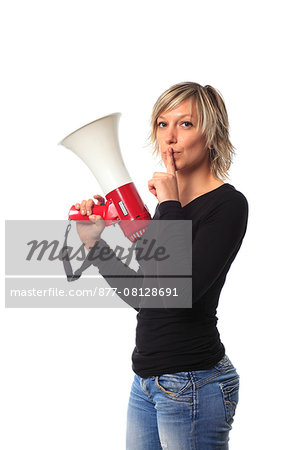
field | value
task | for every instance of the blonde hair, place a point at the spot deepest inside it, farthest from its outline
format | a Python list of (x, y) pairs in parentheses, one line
[(212, 118)]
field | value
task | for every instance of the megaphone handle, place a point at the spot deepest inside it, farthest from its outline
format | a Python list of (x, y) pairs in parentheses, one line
[(105, 210)]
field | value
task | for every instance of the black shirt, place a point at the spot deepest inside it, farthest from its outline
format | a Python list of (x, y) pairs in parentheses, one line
[(179, 340)]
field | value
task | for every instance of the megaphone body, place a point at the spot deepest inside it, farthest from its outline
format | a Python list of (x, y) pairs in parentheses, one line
[(97, 145)]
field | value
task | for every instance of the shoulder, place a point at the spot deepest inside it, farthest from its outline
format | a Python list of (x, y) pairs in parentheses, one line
[(232, 196), (228, 196), (229, 209), (224, 200)]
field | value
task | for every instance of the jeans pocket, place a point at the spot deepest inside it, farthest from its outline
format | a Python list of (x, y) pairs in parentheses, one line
[(176, 386), (230, 393)]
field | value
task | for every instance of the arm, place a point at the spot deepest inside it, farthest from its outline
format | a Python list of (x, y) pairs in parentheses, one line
[(216, 240)]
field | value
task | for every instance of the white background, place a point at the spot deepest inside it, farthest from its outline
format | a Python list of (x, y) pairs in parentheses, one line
[(66, 373)]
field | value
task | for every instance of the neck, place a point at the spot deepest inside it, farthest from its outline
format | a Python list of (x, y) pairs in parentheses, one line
[(192, 184)]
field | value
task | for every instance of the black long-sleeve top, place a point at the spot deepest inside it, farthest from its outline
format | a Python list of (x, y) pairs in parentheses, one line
[(185, 339)]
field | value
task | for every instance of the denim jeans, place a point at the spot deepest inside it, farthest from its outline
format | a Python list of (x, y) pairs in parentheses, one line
[(184, 410)]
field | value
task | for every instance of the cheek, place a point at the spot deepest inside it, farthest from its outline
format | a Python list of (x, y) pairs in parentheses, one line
[(158, 134), (194, 144), (199, 140)]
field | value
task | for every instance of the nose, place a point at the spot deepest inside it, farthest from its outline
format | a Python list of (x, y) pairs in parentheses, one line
[(170, 135)]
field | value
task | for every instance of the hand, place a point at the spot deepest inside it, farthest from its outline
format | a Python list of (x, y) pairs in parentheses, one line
[(164, 185), (90, 231)]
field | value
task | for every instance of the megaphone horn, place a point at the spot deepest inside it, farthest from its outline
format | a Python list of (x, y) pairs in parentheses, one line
[(97, 145)]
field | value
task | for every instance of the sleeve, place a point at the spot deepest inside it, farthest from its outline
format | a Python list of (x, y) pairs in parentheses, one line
[(116, 273), (171, 210), (216, 240)]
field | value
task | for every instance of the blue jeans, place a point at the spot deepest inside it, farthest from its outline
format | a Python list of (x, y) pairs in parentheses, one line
[(184, 410)]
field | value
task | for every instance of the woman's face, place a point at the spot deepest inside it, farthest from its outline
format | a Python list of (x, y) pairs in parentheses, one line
[(177, 129)]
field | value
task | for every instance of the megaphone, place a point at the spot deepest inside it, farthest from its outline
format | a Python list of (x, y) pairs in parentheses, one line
[(97, 145)]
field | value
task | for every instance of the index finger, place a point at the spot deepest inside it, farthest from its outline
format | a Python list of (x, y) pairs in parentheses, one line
[(170, 164)]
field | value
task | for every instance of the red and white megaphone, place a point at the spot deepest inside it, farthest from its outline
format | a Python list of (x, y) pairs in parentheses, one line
[(97, 145)]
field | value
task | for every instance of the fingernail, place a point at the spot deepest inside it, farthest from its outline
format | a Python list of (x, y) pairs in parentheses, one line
[(92, 217), (87, 212), (82, 211)]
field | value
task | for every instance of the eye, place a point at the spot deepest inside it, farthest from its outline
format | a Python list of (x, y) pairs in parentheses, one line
[(161, 124), (187, 124)]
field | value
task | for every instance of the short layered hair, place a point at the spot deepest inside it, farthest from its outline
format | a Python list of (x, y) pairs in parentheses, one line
[(212, 120)]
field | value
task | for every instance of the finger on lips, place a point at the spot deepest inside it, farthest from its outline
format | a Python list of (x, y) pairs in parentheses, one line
[(170, 165)]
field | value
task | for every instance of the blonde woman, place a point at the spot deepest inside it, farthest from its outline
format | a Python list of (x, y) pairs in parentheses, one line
[(186, 389)]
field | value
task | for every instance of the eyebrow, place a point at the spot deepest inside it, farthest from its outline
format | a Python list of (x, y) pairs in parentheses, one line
[(180, 117)]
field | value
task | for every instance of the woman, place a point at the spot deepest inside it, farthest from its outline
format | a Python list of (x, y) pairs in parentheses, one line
[(185, 390)]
